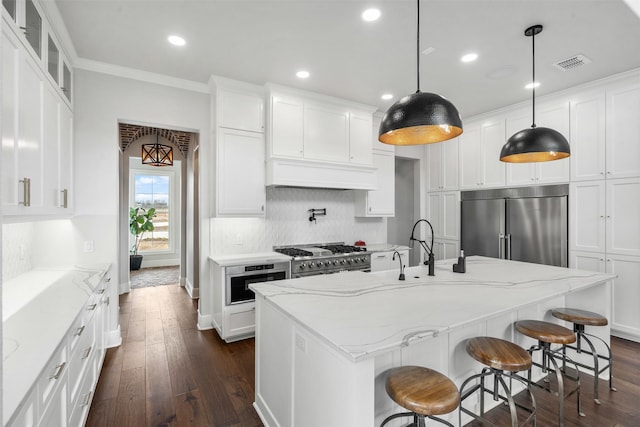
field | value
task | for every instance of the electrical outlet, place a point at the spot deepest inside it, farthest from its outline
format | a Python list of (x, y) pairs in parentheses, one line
[(88, 246)]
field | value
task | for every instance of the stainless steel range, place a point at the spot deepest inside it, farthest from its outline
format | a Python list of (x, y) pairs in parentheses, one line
[(325, 258)]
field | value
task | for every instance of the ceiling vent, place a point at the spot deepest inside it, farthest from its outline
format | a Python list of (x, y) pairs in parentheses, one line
[(575, 61)]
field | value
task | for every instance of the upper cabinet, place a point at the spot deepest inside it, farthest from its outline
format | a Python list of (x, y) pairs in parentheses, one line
[(623, 130), (480, 145), (327, 139), (36, 134), (379, 202), (442, 165), (238, 118), (554, 116), (588, 159)]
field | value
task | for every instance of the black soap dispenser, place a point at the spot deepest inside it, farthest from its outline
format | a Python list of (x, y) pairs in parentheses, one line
[(460, 267)]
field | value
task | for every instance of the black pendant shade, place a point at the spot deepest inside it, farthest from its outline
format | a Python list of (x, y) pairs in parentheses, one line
[(157, 154), (420, 118), (535, 144)]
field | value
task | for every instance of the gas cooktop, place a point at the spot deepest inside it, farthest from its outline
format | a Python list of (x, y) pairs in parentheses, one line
[(325, 258)]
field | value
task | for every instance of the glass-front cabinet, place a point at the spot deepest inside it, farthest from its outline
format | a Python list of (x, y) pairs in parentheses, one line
[(26, 19)]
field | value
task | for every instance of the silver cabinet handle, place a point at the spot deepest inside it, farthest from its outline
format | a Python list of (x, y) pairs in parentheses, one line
[(58, 371), (101, 291), (92, 307), (80, 330), (26, 191), (508, 237), (501, 238), (65, 198), (87, 352), (87, 399)]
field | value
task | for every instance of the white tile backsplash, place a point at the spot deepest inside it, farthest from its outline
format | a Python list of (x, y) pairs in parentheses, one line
[(17, 249), (287, 222)]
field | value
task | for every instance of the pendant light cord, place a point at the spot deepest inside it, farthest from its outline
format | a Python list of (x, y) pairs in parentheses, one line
[(533, 83), (418, 49)]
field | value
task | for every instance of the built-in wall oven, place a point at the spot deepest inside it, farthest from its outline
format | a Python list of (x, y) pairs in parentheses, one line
[(238, 278)]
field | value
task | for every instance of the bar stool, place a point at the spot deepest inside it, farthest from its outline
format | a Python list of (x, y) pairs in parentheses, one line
[(499, 356), (548, 333), (580, 319), (424, 392)]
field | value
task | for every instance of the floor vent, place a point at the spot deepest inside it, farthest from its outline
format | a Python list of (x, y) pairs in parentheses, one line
[(573, 62)]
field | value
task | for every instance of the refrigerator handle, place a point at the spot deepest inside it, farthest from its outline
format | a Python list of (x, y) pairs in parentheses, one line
[(501, 246), (508, 238)]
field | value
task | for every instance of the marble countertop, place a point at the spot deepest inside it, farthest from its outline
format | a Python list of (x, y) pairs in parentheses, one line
[(385, 247), (39, 307), (366, 314), (250, 258)]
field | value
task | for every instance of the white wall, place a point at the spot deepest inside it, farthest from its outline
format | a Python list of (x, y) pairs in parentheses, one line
[(101, 101)]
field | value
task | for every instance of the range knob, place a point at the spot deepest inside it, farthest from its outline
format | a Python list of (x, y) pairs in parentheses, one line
[(312, 264), (319, 264), (343, 262), (302, 266), (335, 262), (349, 261)]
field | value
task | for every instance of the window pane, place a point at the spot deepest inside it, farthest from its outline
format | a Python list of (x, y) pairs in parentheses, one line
[(66, 81), (33, 27), (152, 191), (10, 5), (53, 58)]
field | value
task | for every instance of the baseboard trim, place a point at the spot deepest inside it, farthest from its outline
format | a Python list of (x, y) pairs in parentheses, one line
[(114, 338), (193, 292), (124, 288), (204, 322)]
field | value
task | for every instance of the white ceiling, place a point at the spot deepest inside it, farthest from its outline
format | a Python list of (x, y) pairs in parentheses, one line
[(261, 41)]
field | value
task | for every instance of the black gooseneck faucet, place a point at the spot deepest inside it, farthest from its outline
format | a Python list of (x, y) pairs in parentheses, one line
[(401, 266), (428, 249)]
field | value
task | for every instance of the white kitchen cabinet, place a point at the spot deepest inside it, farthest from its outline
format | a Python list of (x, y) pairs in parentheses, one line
[(480, 146), (377, 145), (626, 296), (379, 202), (65, 158), (360, 138), (588, 160), (239, 109), (381, 261), (286, 133), (240, 173), (587, 211), (326, 132), (554, 116), (622, 215), (443, 212), (623, 131), (26, 416), (590, 261), (442, 164)]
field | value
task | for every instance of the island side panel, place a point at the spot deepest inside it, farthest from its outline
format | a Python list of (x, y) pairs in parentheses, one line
[(302, 381)]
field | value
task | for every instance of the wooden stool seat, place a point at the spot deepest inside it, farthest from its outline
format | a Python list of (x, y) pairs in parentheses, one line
[(580, 317), (546, 332), (499, 354), (422, 390)]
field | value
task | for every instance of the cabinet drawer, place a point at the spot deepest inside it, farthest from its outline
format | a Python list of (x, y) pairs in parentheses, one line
[(52, 376), (241, 323), (80, 359), (80, 407)]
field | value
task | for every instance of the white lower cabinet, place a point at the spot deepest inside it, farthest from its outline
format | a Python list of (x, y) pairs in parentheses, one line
[(239, 321), (62, 394), (381, 261)]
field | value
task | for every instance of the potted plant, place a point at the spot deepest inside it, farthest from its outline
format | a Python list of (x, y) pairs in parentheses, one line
[(140, 221)]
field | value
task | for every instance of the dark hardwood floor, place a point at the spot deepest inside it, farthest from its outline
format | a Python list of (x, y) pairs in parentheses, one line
[(167, 373)]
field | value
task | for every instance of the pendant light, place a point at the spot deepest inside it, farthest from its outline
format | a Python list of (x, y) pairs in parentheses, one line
[(535, 144), (157, 154), (422, 117)]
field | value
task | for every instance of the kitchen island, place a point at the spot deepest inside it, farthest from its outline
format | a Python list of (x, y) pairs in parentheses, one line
[(323, 343)]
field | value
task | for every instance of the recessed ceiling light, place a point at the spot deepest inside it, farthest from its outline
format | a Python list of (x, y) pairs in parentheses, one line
[(176, 40), (387, 96), (469, 57), (532, 85), (371, 15), (302, 74)]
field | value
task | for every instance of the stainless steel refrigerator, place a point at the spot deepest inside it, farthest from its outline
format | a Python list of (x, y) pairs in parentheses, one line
[(523, 224)]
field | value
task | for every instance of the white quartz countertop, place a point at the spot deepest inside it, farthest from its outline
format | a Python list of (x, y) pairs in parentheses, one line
[(385, 247), (366, 314), (39, 307), (250, 258)]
